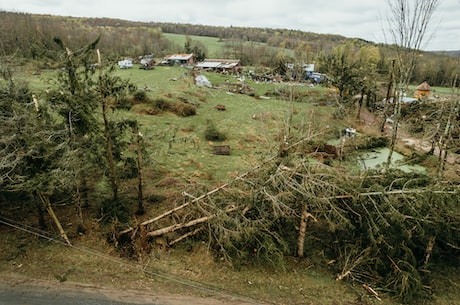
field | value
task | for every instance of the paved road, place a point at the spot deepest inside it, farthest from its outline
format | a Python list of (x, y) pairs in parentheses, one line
[(42, 296)]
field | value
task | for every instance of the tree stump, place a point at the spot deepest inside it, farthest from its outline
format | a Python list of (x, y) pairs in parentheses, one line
[(221, 149)]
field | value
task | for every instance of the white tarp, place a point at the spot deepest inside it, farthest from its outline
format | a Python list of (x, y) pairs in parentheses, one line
[(202, 81)]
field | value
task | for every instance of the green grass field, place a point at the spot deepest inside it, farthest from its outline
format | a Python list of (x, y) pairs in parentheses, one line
[(178, 142), (253, 126), (213, 44)]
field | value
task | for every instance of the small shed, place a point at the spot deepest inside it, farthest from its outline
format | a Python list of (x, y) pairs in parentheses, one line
[(423, 90), (178, 59)]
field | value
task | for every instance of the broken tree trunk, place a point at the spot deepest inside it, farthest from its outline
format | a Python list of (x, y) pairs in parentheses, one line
[(47, 204), (303, 231), (393, 192), (182, 237), (178, 226), (147, 222), (107, 133), (388, 97), (152, 220), (140, 193)]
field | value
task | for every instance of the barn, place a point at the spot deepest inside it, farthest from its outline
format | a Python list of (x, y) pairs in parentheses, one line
[(221, 65), (146, 62)]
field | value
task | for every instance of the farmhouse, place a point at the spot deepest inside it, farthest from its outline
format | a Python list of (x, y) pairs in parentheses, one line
[(423, 90), (178, 59), (221, 65)]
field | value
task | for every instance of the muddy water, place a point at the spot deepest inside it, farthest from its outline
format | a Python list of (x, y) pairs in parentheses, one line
[(377, 158)]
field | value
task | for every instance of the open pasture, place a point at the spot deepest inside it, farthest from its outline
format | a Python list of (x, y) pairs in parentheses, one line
[(252, 125)]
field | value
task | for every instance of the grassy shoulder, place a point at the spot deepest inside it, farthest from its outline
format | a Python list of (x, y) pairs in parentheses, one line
[(182, 271), (189, 271)]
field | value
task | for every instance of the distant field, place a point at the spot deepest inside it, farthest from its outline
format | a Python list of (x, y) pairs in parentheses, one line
[(213, 44), (442, 90)]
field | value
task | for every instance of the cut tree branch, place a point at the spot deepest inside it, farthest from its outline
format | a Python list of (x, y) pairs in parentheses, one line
[(178, 226)]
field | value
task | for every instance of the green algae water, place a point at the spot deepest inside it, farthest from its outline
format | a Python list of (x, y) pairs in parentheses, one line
[(377, 158)]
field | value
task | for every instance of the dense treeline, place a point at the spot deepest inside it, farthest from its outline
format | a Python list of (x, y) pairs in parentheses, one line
[(31, 36), (273, 37), (285, 38)]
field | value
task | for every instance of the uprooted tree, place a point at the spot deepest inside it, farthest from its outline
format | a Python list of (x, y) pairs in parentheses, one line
[(33, 151)]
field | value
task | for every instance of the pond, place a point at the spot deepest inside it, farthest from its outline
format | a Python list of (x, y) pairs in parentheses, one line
[(377, 159)]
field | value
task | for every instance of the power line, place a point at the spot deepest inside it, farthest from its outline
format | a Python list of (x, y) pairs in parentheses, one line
[(198, 286)]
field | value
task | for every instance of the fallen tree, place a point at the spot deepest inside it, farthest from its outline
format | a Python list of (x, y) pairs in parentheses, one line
[(384, 230)]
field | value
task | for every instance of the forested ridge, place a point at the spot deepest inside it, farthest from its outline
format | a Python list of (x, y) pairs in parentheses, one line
[(31, 36)]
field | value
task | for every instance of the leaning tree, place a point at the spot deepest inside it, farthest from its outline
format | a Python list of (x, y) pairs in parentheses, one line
[(33, 151), (408, 23)]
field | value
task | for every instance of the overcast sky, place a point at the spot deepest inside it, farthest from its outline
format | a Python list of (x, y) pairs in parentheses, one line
[(351, 18)]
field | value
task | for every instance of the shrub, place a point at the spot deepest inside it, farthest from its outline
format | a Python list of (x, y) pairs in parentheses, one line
[(376, 142), (161, 104), (140, 96), (123, 103), (114, 210), (183, 109)]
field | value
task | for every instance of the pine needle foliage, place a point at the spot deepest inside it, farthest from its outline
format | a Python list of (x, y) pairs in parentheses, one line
[(384, 229)]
